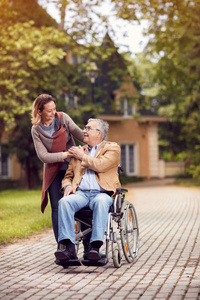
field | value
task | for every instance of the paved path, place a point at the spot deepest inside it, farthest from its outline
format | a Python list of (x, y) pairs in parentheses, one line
[(167, 267)]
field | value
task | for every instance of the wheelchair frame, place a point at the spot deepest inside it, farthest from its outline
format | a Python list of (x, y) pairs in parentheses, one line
[(122, 213)]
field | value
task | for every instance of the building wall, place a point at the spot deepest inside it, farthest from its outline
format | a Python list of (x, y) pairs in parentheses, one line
[(153, 150), (15, 169), (130, 132)]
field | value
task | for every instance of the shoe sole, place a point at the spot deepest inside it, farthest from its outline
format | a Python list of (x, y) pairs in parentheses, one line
[(61, 256), (93, 255)]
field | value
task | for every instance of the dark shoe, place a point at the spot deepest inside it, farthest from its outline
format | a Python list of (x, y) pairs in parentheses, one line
[(58, 262), (68, 253), (93, 254), (87, 247), (85, 256)]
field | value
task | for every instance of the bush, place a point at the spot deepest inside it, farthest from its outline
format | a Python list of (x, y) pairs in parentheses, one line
[(124, 179)]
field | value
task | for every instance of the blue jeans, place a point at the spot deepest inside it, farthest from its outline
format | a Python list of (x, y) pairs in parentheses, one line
[(98, 202)]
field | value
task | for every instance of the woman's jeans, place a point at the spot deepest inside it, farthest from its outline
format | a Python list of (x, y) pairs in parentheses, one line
[(55, 195), (98, 202)]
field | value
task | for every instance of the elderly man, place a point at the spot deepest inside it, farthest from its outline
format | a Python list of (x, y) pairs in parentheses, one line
[(90, 180)]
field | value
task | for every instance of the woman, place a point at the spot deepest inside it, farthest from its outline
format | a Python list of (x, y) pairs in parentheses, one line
[(52, 134)]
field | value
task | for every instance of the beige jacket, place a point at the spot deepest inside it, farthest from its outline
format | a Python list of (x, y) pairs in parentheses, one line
[(105, 164)]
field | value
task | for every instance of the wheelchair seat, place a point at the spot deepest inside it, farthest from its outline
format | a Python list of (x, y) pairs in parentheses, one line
[(86, 212)]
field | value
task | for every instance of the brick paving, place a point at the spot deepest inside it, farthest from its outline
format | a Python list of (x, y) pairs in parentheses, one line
[(167, 267)]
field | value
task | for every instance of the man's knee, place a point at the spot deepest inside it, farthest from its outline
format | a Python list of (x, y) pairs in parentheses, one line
[(64, 201), (103, 201)]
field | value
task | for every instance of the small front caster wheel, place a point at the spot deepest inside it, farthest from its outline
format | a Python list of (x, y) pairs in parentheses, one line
[(116, 258)]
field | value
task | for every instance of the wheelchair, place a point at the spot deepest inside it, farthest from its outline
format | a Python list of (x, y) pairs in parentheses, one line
[(122, 232)]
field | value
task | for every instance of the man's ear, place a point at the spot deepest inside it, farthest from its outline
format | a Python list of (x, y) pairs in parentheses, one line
[(100, 134)]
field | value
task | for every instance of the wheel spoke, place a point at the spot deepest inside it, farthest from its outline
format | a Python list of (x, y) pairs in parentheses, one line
[(129, 231)]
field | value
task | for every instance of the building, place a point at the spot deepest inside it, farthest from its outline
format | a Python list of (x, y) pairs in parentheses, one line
[(138, 138)]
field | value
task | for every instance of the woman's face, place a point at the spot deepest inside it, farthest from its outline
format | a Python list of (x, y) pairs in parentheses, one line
[(48, 113)]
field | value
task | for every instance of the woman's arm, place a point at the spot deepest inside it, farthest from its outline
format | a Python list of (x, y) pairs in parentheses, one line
[(43, 154), (73, 128)]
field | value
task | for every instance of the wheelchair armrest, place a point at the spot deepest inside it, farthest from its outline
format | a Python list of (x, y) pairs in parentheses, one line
[(119, 198), (120, 190)]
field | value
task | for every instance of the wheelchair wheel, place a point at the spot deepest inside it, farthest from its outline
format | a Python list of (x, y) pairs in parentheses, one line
[(116, 258), (129, 231)]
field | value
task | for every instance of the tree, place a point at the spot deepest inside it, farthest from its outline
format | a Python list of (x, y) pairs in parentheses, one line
[(21, 144), (77, 19), (32, 61), (174, 31), (27, 56), (26, 10)]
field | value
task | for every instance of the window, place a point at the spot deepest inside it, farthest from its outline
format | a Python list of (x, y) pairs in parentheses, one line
[(4, 162), (128, 159), (127, 108), (71, 100)]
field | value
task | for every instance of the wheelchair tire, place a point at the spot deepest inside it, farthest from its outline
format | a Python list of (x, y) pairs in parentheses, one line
[(129, 231), (116, 258)]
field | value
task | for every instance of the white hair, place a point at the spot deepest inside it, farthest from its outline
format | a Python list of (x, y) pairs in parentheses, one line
[(103, 126)]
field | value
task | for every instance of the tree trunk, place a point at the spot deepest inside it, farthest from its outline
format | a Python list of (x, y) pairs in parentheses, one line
[(62, 15)]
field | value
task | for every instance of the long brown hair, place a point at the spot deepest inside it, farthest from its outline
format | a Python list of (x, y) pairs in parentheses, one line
[(38, 105)]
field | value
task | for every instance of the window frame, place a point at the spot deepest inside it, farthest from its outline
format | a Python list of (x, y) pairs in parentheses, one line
[(126, 107), (127, 156), (1, 165)]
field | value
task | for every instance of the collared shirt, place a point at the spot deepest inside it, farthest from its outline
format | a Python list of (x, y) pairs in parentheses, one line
[(88, 181)]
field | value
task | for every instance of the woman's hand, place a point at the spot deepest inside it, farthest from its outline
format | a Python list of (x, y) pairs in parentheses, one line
[(65, 155), (77, 152)]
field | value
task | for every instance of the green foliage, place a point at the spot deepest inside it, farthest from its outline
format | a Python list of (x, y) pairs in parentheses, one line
[(177, 40), (129, 179), (21, 144), (26, 10), (80, 19), (172, 86), (20, 215), (27, 55), (194, 170)]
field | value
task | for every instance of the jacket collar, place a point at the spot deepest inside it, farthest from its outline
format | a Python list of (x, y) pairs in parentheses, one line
[(99, 149)]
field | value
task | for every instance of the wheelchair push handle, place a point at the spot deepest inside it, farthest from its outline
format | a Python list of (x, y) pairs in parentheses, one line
[(121, 191)]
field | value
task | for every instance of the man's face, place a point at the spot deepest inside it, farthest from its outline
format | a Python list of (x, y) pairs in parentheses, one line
[(91, 135)]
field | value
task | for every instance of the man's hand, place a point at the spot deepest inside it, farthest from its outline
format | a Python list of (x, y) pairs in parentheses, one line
[(69, 190), (77, 152)]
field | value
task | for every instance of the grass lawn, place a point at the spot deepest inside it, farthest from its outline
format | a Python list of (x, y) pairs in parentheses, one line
[(20, 215)]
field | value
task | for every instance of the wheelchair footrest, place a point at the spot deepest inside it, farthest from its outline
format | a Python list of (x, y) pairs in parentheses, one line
[(70, 262), (95, 263)]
